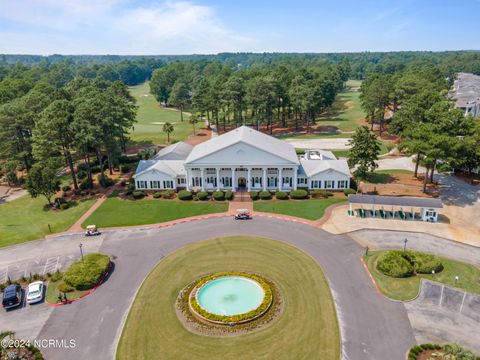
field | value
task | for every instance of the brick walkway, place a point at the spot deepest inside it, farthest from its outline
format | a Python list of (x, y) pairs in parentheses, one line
[(241, 200)]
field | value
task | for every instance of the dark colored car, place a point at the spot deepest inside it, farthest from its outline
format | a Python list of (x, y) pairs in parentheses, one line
[(12, 296)]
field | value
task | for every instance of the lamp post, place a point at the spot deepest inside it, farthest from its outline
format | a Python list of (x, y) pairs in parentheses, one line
[(81, 252), (456, 279), (366, 251), (405, 244)]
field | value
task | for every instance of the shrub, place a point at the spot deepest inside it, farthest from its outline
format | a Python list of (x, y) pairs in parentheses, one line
[(168, 194), (65, 288), (64, 206), (353, 184), (229, 195), (254, 195), (107, 181), (424, 263), (281, 195), (394, 264), (124, 169), (123, 183), (202, 195), (265, 195), (317, 194), (349, 191), (157, 195), (81, 174), (95, 169), (195, 198), (84, 275), (138, 194), (219, 195), (184, 195), (85, 184), (66, 188), (57, 276), (299, 194), (81, 167)]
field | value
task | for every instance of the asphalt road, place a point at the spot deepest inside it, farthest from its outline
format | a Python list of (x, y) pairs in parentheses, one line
[(371, 326)]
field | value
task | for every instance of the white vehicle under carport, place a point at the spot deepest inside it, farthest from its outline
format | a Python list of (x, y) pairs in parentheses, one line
[(35, 292)]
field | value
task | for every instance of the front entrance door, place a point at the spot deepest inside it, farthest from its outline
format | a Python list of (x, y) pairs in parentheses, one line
[(242, 182)]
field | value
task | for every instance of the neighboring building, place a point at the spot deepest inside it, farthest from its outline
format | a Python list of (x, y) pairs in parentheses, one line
[(466, 93), (242, 159)]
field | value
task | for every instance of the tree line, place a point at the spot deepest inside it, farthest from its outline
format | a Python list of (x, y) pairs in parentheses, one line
[(260, 96), (415, 105), (55, 121)]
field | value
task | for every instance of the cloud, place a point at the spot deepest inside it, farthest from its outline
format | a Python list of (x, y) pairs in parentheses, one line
[(115, 26)]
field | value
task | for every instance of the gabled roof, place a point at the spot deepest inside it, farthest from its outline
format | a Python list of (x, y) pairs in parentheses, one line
[(177, 151), (313, 167), (248, 136), (170, 167)]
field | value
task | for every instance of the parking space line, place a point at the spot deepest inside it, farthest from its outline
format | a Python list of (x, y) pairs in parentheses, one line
[(48, 264), (4, 277)]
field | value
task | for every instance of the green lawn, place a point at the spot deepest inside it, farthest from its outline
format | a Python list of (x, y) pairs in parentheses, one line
[(346, 112), (311, 209), (307, 328), (151, 116), (408, 288), (385, 176), (117, 212), (52, 292), (25, 219)]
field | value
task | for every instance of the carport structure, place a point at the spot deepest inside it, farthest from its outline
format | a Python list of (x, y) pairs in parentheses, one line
[(401, 207)]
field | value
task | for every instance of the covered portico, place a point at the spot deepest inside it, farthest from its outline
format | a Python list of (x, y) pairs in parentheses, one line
[(395, 207), (240, 177)]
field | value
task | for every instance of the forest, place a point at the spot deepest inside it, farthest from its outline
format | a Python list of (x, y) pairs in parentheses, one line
[(57, 112)]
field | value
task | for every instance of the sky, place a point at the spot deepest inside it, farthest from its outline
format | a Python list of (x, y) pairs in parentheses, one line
[(147, 27)]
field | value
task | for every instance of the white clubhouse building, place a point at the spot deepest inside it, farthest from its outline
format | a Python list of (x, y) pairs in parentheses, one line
[(241, 160)]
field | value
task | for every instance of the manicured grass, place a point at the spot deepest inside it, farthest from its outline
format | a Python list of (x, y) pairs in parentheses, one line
[(52, 292), (311, 209), (346, 112), (25, 219), (117, 212), (307, 328), (408, 288), (385, 176), (151, 117)]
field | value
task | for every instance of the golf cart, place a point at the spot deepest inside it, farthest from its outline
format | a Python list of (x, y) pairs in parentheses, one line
[(92, 231), (243, 214)]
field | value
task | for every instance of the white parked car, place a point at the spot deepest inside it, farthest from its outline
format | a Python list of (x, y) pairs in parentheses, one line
[(35, 292)]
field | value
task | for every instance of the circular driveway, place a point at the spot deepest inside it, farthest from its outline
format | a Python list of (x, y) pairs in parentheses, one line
[(371, 326)]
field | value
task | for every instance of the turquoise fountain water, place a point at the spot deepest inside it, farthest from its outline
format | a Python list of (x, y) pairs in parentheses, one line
[(230, 295)]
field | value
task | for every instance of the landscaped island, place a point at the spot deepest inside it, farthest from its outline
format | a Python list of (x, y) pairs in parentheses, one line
[(306, 327)]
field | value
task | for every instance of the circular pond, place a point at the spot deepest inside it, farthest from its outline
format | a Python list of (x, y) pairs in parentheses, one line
[(230, 295)]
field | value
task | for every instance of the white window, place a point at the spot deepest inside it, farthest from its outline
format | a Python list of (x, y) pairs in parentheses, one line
[(167, 184), (141, 184), (342, 184), (329, 184), (431, 213), (155, 184), (181, 181), (316, 184), (301, 181)]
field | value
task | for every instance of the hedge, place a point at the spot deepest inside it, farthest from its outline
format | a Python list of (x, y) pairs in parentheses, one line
[(157, 195), (229, 195), (251, 315), (168, 194), (299, 194), (254, 195), (202, 195), (138, 194), (349, 191), (84, 275), (265, 195), (281, 195), (219, 195), (393, 264), (184, 195), (320, 194), (398, 263), (124, 169)]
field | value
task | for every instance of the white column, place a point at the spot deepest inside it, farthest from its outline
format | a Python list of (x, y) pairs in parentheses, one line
[(218, 178), (280, 180), (295, 180), (249, 180), (233, 179), (188, 183), (264, 180), (202, 171)]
